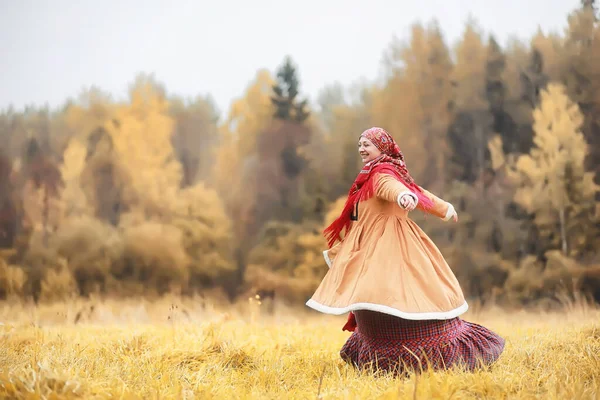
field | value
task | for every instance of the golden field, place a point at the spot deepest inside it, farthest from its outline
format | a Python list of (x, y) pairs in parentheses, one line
[(185, 349)]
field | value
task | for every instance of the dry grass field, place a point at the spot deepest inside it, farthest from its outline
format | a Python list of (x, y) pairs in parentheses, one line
[(176, 349)]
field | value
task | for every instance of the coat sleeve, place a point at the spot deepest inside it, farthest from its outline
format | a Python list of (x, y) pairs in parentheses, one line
[(441, 208), (391, 189)]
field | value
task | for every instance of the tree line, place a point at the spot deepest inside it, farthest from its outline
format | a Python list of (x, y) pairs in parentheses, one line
[(159, 194)]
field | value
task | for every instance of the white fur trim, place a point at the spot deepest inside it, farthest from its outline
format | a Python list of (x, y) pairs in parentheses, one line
[(411, 194), (450, 213), (388, 310), (326, 257)]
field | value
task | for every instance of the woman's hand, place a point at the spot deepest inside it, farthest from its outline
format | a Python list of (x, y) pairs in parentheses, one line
[(451, 214), (408, 202)]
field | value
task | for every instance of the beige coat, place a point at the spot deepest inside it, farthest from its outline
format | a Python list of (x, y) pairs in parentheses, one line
[(388, 264)]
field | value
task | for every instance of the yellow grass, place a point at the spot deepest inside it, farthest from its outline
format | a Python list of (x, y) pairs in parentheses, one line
[(183, 349)]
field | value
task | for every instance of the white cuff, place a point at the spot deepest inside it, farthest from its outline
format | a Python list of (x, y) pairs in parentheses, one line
[(327, 259), (411, 194), (450, 213)]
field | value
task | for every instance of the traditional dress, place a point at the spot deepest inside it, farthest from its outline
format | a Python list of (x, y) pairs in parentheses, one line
[(403, 298)]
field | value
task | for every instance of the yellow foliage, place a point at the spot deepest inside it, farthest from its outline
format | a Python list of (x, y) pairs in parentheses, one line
[(236, 155), (142, 140), (201, 217), (550, 46), (92, 110), (73, 197), (496, 153), (559, 145), (247, 117), (168, 238), (413, 105), (469, 72), (155, 256), (289, 258)]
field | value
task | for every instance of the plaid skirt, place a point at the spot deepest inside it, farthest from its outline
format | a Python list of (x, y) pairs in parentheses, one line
[(398, 345)]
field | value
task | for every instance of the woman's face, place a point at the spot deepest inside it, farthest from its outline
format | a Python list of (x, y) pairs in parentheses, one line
[(367, 150)]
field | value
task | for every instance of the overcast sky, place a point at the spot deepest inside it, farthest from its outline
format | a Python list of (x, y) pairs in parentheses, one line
[(52, 49)]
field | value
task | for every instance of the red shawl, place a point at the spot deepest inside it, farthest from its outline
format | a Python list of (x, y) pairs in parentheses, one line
[(390, 162)]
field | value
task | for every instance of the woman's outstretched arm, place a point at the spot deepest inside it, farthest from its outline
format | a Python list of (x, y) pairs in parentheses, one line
[(391, 189), (441, 208)]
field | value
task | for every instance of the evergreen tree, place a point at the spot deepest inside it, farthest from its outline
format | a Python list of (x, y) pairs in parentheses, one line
[(496, 94), (472, 123), (288, 107)]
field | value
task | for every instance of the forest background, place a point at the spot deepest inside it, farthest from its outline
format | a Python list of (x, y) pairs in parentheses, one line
[(162, 195)]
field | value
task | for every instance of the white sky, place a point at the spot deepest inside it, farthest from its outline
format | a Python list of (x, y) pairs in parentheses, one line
[(52, 49)]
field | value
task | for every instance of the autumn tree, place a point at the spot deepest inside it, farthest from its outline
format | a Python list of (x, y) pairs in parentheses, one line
[(195, 137), (552, 181), (104, 179), (91, 110), (98, 176), (41, 184), (289, 259), (74, 200), (550, 47), (141, 134), (236, 166), (414, 105), (581, 74)]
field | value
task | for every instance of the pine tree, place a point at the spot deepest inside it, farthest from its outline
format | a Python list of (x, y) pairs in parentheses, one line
[(288, 107), (590, 5), (552, 182), (495, 64), (532, 79), (496, 93)]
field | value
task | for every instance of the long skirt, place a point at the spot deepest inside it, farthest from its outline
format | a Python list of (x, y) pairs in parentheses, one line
[(397, 345)]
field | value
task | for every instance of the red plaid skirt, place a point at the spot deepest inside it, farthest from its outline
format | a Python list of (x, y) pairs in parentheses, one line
[(397, 345)]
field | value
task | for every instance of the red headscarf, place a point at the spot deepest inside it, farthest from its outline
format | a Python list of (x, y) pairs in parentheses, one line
[(390, 162)]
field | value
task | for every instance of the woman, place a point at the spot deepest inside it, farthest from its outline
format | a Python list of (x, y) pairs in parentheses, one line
[(403, 298)]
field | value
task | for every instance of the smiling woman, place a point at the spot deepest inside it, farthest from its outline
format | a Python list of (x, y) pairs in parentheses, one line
[(404, 300), (367, 150)]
